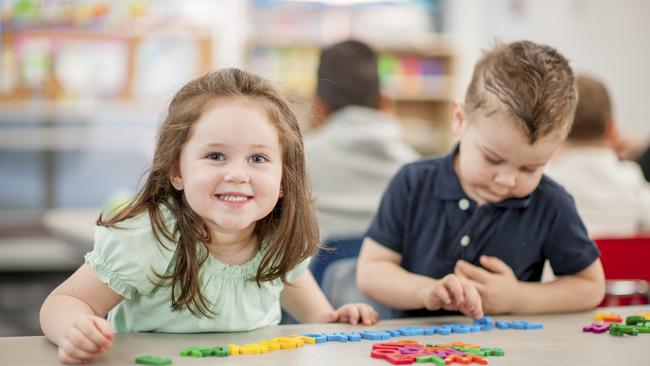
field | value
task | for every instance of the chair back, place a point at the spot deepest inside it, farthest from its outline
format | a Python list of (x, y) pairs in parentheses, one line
[(626, 262), (337, 249), (625, 258)]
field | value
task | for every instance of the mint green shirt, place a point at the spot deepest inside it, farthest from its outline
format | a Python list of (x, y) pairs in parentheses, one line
[(125, 259)]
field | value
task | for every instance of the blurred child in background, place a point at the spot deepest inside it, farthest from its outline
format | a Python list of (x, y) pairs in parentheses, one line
[(358, 147), (612, 196)]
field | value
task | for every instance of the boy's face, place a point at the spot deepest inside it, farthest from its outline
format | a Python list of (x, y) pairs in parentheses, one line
[(496, 161)]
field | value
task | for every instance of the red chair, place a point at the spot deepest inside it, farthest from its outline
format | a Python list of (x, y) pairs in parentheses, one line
[(626, 262)]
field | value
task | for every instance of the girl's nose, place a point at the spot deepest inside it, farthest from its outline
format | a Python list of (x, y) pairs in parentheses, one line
[(236, 175)]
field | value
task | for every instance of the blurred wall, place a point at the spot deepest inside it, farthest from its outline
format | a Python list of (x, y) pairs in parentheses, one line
[(608, 39)]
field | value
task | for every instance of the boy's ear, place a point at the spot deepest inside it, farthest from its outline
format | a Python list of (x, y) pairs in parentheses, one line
[(386, 104), (611, 134), (457, 117), (321, 112)]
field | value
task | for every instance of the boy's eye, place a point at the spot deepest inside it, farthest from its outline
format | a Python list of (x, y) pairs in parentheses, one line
[(258, 159), (527, 170), (492, 161), (215, 156)]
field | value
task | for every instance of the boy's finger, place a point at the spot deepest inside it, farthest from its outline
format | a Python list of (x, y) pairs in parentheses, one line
[(495, 265), (454, 286), (481, 288), (471, 271), (441, 293), (473, 300)]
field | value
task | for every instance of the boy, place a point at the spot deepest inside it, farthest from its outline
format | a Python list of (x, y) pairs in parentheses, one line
[(358, 146), (612, 196), (471, 231)]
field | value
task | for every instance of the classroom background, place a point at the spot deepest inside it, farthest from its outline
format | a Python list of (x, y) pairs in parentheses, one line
[(83, 85)]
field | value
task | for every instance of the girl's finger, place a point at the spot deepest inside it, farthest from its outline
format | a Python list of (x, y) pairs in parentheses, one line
[(82, 341), (70, 352), (353, 314), (368, 314), (104, 327)]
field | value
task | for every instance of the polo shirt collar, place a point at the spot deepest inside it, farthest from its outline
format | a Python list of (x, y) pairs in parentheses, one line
[(447, 186)]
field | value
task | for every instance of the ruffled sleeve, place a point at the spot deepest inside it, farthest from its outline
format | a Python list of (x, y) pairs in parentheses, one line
[(298, 270), (128, 258)]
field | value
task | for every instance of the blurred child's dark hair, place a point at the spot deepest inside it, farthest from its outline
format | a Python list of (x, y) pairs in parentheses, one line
[(289, 232), (594, 111), (347, 75), (533, 82)]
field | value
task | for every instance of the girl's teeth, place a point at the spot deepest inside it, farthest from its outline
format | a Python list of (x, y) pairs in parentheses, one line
[(234, 198)]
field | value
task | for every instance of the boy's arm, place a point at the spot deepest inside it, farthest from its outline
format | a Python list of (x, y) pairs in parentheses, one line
[(501, 292), (580, 291), (380, 277), (82, 294)]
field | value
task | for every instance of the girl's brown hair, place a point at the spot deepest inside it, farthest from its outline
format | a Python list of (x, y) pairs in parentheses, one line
[(289, 232)]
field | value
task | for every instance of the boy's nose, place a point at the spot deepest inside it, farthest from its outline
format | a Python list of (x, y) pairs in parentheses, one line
[(506, 180)]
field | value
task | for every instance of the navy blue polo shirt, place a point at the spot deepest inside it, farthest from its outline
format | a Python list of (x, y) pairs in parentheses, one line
[(427, 218)]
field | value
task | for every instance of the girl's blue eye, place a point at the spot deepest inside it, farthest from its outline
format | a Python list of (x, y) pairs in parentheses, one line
[(258, 159), (215, 156)]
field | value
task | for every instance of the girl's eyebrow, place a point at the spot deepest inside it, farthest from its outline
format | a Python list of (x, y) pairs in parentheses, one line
[(220, 144)]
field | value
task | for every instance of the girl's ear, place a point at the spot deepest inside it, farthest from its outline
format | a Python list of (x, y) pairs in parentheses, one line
[(176, 180), (457, 118)]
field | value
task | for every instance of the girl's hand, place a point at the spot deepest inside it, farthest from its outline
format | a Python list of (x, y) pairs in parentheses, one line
[(453, 292), (85, 339), (353, 313), (496, 282)]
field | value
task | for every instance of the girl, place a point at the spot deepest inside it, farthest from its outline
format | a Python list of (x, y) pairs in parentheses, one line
[(216, 240)]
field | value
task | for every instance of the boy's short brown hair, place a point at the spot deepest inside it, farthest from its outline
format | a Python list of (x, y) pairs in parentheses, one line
[(594, 111), (533, 82)]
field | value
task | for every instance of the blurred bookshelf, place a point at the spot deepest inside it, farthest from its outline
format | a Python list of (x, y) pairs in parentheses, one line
[(416, 59), (121, 51), (88, 80)]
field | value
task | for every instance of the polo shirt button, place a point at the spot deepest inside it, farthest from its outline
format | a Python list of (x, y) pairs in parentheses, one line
[(464, 241), (463, 204)]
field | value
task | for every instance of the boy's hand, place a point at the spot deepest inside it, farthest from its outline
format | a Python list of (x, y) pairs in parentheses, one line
[(496, 283), (353, 313), (85, 339), (453, 293)]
